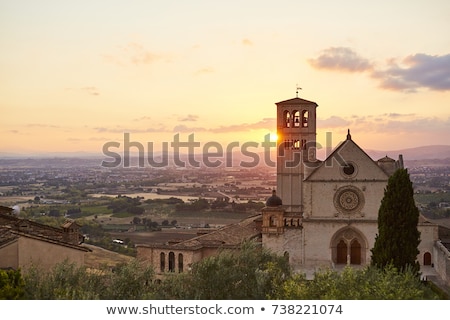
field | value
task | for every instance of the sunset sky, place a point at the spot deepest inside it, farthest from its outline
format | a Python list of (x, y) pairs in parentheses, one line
[(77, 74)]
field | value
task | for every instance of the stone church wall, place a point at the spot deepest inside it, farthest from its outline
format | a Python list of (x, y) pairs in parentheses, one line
[(321, 236), (290, 242)]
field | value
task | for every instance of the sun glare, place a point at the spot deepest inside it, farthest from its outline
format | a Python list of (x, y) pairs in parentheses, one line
[(273, 136)]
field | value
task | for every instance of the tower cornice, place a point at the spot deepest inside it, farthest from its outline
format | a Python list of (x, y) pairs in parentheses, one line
[(294, 101)]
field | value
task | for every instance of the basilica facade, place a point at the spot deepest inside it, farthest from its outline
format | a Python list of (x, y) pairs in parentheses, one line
[(323, 213)]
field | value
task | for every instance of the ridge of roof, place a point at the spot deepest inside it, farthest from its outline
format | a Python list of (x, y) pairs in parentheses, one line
[(339, 147), (296, 100), (222, 237)]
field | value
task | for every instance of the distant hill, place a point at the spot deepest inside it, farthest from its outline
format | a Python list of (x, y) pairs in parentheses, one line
[(418, 153), (425, 155)]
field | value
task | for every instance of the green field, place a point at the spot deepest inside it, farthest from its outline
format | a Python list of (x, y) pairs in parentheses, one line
[(427, 198)]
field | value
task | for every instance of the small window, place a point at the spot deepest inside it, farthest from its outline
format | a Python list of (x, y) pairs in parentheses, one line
[(286, 256), (171, 262), (162, 259), (272, 221), (349, 169), (180, 262), (287, 144), (303, 144)]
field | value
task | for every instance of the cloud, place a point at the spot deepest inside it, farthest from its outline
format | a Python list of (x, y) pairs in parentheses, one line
[(139, 55), (42, 125), (93, 91), (118, 129), (419, 124), (98, 139), (398, 115), (332, 122), (136, 54), (417, 71), (183, 128), (205, 70), (144, 118), (247, 42), (390, 123), (189, 117), (410, 74), (266, 123), (341, 59)]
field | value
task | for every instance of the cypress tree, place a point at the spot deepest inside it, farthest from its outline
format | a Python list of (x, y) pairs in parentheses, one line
[(398, 238)]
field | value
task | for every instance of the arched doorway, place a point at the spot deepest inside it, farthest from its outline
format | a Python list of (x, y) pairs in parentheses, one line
[(348, 246), (427, 259)]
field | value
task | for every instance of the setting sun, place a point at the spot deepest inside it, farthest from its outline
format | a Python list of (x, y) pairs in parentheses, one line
[(273, 137)]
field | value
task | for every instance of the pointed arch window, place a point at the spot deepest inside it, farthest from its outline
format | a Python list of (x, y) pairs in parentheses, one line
[(341, 257), (348, 246), (355, 252)]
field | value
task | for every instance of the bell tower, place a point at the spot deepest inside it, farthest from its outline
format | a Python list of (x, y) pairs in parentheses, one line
[(296, 132)]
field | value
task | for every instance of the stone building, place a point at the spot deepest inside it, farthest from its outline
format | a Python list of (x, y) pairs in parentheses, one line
[(323, 213), (24, 243), (179, 256), (329, 212)]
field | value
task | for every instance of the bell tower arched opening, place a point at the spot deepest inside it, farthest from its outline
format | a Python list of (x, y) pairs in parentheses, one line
[(287, 119), (296, 118), (305, 115)]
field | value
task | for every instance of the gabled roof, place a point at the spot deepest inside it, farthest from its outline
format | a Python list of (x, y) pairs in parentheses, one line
[(296, 100), (11, 227), (69, 223), (229, 236), (8, 236), (335, 155), (386, 159), (6, 210)]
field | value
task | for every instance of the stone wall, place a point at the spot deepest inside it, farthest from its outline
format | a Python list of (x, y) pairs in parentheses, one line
[(442, 261)]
